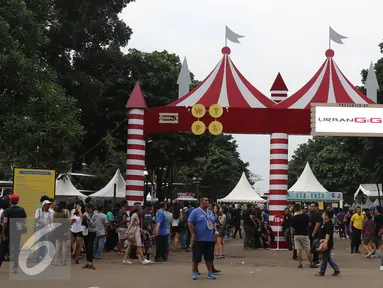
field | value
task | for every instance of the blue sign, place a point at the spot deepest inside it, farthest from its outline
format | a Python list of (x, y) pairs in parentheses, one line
[(315, 196)]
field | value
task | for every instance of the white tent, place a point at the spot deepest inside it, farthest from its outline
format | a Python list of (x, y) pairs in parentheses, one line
[(242, 193), (108, 190), (370, 190), (307, 182), (65, 188)]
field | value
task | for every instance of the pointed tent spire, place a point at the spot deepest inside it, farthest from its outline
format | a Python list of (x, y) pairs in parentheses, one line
[(184, 80), (136, 99), (279, 89), (307, 182), (279, 84), (372, 85)]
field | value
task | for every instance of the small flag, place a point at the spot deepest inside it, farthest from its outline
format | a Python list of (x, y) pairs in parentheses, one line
[(336, 37), (232, 36)]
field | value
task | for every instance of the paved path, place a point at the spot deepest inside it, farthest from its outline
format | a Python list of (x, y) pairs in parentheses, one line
[(250, 269)]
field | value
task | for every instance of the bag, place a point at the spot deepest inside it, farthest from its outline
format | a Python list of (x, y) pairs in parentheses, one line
[(321, 247), (181, 223), (130, 236), (85, 231), (318, 246), (380, 232)]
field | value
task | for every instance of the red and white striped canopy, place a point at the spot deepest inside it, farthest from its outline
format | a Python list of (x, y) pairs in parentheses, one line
[(227, 87), (328, 85)]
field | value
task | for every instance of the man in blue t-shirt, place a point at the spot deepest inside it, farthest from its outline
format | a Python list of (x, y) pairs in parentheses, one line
[(202, 227), (161, 235)]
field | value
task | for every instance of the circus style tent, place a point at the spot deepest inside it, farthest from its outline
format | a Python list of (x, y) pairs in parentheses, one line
[(108, 190), (65, 188), (227, 87), (242, 193), (307, 182), (329, 85)]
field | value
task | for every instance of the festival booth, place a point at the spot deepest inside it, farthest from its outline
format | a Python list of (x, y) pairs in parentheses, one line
[(66, 191), (243, 192), (308, 189), (114, 189), (189, 197)]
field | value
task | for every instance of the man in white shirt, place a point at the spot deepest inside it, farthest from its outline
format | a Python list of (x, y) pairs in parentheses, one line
[(43, 219)]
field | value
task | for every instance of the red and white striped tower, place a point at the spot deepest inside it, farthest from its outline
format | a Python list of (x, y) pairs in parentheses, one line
[(135, 155), (278, 169)]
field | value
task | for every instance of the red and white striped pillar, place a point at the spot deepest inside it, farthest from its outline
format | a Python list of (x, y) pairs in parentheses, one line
[(278, 184), (135, 163), (279, 152)]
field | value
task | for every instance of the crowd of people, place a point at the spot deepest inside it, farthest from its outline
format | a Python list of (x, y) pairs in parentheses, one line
[(311, 231), (88, 229)]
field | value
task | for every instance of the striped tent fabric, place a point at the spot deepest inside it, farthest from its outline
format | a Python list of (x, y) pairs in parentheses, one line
[(227, 87), (329, 85)]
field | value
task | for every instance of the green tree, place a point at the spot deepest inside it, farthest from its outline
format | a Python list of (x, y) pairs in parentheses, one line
[(39, 123)]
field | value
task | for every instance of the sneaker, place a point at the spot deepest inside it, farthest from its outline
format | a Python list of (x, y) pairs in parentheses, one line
[(300, 266), (336, 273), (369, 254), (194, 275), (146, 262), (313, 266), (126, 262), (216, 271), (211, 276), (381, 268)]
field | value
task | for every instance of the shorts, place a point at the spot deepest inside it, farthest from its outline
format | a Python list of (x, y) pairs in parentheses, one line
[(302, 242), (121, 233), (367, 239), (77, 235), (176, 229), (205, 249)]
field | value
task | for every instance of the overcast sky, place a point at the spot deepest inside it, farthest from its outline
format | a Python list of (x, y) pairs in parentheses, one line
[(290, 37)]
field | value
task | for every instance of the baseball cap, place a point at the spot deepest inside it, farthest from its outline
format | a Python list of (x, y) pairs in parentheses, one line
[(45, 202), (372, 208), (14, 198)]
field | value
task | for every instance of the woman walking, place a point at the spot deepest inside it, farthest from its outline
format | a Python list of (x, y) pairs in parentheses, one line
[(90, 235), (61, 233), (133, 234), (222, 219), (176, 225), (77, 228), (326, 235)]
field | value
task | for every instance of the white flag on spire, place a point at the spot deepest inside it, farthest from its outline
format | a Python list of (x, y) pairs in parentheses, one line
[(336, 37), (232, 36)]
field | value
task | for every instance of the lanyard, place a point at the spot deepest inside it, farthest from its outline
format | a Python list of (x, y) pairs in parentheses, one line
[(205, 214)]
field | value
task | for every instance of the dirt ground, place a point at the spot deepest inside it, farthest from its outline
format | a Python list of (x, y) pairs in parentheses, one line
[(251, 269)]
